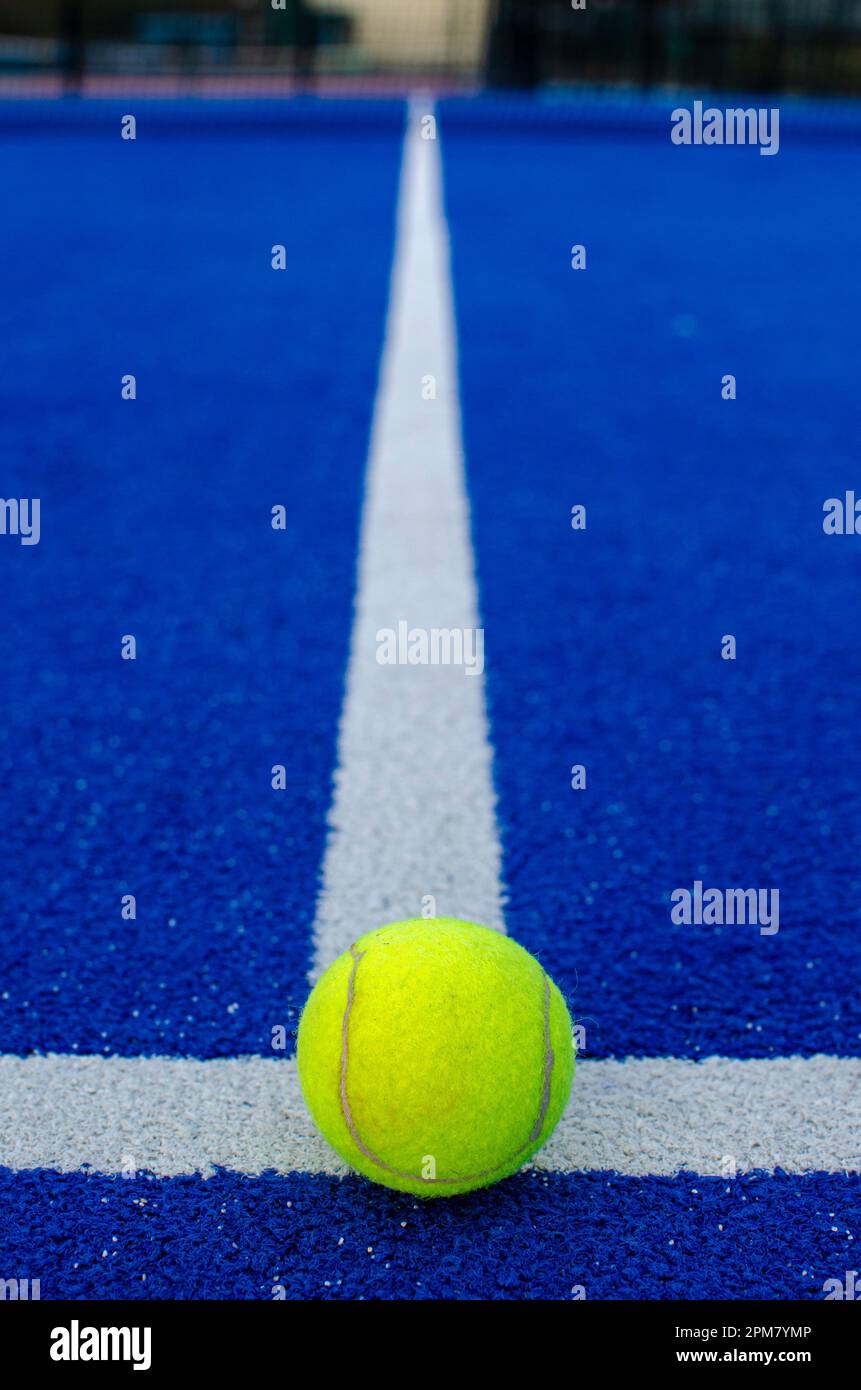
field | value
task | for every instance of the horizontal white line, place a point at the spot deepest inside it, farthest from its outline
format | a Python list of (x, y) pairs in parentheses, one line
[(171, 1116)]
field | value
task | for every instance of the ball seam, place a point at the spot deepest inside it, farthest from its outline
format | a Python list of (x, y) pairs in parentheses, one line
[(346, 1111)]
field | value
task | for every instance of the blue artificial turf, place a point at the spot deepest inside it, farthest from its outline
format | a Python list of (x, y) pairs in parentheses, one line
[(704, 517), (255, 388), (602, 647), (534, 1236)]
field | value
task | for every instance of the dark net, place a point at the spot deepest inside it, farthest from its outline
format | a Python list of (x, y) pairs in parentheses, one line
[(248, 46)]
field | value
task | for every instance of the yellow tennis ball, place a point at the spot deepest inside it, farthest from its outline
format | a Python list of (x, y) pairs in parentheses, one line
[(436, 1056)]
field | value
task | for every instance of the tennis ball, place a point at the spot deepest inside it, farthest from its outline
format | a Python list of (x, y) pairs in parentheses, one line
[(436, 1056)]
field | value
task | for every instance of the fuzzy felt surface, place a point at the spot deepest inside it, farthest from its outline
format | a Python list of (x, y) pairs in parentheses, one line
[(435, 1056)]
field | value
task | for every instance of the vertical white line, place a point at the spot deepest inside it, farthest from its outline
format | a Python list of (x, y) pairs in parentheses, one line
[(413, 812)]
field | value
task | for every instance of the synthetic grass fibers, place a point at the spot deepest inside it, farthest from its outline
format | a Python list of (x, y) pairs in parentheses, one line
[(436, 1056)]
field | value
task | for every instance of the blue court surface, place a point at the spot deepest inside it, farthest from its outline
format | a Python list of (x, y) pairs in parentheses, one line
[(598, 387)]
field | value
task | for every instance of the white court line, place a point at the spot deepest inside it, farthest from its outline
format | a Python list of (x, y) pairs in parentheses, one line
[(644, 1116), (414, 808)]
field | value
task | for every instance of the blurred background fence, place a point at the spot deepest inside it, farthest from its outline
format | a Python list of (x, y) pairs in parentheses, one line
[(749, 45)]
